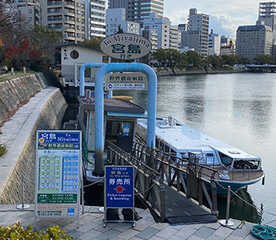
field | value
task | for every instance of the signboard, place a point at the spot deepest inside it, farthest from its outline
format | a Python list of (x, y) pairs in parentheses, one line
[(126, 81), (58, 164), (119, 187), (125, 46)]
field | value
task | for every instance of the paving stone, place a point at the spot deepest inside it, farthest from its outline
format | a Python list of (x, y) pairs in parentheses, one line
[(215, 237), (111, 234), (160, 225), (128, 234), (204, 232), (147, 233), (89, 235), (167, 232), (223, 232), (243, 231), (231, 237), (250, 237), (186, 231), (193, 237)]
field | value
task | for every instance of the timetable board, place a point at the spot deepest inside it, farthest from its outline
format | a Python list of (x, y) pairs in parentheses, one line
[(58, 164)]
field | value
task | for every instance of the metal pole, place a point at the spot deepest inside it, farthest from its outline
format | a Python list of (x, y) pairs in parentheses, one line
[(228, 204)]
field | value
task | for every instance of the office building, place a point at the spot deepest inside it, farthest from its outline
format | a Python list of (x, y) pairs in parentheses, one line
[(198, 31), (116, 18), (214, 44), (67, 17), (253, 40), (267, 16), (96, 18), (162, 27), (137, 10)]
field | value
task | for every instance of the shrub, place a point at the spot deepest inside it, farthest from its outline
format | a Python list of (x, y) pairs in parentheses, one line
[(17, 231), (3, 149)]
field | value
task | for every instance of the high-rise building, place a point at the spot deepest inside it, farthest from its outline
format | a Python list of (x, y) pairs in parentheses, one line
[(175, 37), (96, 23), (162, 26), (253, 40), (128, 5), (214, 44), (267, 16), (27, 12), (198, 31), (182, 28), (116, 18), (137, 10), (67, 17)]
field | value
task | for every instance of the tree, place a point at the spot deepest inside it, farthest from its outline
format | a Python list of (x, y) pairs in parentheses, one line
[(263, 59), (193, 59), (215, 61), (93, 43), (168, 58)]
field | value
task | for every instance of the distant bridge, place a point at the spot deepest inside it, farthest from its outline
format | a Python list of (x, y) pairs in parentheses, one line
[(261, 68)]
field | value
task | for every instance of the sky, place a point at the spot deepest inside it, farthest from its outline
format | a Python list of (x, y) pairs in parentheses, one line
[(225, 16)]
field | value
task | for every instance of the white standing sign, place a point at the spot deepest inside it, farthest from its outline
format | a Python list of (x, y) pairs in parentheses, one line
[(58, 164)]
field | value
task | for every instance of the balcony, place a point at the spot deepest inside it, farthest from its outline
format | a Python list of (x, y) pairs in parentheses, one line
[(54, 3)]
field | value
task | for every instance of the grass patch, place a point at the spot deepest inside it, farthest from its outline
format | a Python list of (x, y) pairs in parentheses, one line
[(17, 231), (8, 76), (3, 149)]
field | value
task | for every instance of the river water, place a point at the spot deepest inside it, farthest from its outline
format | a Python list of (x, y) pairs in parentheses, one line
[(239, 109)]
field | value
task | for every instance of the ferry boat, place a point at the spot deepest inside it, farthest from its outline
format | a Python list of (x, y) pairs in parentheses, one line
[(235, 167)]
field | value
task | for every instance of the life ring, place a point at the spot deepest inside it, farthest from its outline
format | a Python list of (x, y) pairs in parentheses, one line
[(264, 232)]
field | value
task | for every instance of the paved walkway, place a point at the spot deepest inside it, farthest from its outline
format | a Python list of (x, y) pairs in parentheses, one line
[(90, 227)]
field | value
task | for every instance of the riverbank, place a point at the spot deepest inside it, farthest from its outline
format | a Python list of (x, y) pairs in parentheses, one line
[(165, 73)]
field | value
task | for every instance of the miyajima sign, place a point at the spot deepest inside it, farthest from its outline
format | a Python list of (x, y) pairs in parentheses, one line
[(126, 81), (125, 46)]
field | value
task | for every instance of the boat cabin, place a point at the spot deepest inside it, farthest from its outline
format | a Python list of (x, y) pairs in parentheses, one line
[(177, 138), (120, 119)]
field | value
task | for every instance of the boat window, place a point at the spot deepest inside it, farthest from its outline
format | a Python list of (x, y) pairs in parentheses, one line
[(244, 164), (226, 160)]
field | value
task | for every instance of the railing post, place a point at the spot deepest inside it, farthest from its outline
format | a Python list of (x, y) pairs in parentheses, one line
[(214, 198), (228, 204), (162, 201)]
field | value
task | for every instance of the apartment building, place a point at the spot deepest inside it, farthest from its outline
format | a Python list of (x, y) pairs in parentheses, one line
[(96, 18), (198, 31), (253, 40), (175, 37), (67, 17)]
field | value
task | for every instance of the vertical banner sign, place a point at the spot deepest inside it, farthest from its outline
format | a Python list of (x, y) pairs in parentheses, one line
[(58, 164), (119, 187)]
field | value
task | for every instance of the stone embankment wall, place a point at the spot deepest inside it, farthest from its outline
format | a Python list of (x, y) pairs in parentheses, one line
[(44, 109), (16, 92)]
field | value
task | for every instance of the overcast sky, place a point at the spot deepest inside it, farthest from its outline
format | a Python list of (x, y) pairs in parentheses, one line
[(225, 15)]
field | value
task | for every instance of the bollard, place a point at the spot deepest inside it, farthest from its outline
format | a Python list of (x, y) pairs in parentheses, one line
[(226, 222), (22, 206), (24, 70), (12, 71), (228, 204)]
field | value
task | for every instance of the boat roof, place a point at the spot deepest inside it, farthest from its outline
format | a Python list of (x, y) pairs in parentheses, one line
[(182, 138)]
